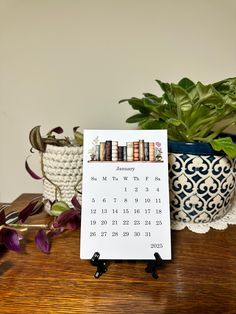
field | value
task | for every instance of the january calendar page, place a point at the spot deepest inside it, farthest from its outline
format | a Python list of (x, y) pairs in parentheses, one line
[(125, 195)]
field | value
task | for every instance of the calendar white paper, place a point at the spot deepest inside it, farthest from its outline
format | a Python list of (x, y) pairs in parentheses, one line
[(125, 197)]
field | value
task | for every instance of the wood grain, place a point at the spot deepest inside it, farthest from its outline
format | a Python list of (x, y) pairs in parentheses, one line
[(201, 278)]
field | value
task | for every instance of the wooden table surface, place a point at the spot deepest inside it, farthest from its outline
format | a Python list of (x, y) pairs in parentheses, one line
[(201, 278)]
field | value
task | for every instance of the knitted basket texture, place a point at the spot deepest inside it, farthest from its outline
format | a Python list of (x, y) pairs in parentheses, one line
[(62, 167)]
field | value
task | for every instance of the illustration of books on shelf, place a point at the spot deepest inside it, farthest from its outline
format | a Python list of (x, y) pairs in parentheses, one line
[(111, 151)]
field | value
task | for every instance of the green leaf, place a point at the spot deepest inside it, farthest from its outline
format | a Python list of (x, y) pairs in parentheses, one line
[(136, 118), (36, 139), (193, 95), (174, 122), (51, 140), (136, 104), (181, 98), (164, 86), (78, 136), (59, 207), (230, 101), (153, 125), (152, 96), (226, 144), (168, 96), (152, 104), (226, 87), (208, 95), (186, 83)]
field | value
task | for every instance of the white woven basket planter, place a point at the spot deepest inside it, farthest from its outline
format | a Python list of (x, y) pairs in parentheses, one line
[(62, 169)]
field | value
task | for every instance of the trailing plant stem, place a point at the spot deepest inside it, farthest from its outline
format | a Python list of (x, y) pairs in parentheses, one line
[(57, 188), (30, 226)]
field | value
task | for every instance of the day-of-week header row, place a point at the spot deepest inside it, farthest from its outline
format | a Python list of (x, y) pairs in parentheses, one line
[(124, 178)]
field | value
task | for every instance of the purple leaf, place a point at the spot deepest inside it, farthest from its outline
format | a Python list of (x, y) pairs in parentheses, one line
[(53, 233), (10, 239), (38, 208), (31, 172), (66, 217), (57, 130), (75, 128), (42, 241), (2, 215), (73, 223), (75, 202), (27, 211), (12, 217)]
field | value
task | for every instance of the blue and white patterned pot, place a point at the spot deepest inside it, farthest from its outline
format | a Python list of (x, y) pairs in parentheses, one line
[(202, 182)]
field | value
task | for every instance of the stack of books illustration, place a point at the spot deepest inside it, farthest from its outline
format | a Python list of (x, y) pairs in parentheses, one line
[(132, 151)]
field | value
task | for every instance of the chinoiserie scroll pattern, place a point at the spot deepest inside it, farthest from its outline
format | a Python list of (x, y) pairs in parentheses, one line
[(201, 187)]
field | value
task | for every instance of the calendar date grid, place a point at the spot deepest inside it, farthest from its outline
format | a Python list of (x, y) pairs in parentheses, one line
[(126, 206)]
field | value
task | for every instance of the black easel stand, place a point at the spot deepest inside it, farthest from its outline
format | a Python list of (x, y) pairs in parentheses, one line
[(152, 265), (100, 264)]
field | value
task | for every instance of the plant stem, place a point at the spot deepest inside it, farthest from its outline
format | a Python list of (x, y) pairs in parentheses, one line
[(30, 226), (57, 189)]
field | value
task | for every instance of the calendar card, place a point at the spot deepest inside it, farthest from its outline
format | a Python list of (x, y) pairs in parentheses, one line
[(125, 198)]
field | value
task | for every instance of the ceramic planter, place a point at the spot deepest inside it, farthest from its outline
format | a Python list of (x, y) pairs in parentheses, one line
[(62, 169), (202, 183)]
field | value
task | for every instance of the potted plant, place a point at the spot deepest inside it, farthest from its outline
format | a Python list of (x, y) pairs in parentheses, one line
[(201, 158), (61, 166)]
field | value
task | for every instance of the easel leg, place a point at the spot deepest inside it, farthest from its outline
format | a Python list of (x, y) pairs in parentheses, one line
[(100, 264), (152, 265)]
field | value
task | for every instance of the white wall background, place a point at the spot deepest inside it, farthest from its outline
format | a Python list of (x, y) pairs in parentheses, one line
[(69, 62)]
